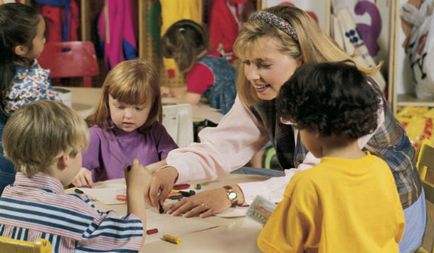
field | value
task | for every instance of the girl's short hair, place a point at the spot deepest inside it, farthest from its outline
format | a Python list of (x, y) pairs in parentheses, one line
[(312, 45), (132, 82), (38, 133), (183, 41), (18, 26)]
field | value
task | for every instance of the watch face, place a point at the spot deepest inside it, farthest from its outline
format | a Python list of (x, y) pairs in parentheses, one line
[(232, 195)]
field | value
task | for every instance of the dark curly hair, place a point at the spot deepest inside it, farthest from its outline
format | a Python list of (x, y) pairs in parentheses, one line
[(331, 98)]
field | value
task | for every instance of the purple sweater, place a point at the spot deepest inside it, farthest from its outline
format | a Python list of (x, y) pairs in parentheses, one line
[(110, 151)]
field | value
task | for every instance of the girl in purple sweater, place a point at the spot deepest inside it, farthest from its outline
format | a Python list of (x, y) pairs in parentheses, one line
[(125, 124)]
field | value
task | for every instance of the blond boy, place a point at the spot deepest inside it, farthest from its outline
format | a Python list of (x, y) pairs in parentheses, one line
[(44, 140)]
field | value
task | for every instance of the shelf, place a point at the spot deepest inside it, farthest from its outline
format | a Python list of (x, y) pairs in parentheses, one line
[(411, 100)]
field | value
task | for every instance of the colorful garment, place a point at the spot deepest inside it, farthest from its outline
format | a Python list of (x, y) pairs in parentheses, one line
[(117, 28), (220, 89), (61, 18), (340, 205), (37, 207), (172, 11), (29, 84), (110, 151)]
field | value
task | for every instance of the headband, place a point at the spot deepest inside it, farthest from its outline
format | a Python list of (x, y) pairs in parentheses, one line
[(275, 21)]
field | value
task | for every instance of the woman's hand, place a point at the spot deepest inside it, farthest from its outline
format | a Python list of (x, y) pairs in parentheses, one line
[(203, 204), (83, 178), (161, 184)]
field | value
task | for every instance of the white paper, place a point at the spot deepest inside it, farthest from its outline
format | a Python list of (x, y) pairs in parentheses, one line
[(173, 225), (239, 211), (106, 192)]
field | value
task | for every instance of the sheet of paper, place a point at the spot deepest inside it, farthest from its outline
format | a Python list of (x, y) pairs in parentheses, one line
[(106, 191), (238, 211)]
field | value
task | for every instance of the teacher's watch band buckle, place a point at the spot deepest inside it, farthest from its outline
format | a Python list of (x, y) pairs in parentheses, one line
[(231, 194)]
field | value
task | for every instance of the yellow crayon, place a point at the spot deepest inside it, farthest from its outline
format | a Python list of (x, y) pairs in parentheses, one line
[(171, 238)]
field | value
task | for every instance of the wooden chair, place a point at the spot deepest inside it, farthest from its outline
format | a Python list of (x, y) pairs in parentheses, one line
[(70, 59), (17, 246), (425, 166)]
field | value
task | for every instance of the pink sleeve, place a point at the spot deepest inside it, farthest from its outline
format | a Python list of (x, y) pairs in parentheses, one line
[(223, 149), (199, 79)]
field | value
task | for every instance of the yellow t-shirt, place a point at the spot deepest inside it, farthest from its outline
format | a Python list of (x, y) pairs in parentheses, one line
[(340, 205)]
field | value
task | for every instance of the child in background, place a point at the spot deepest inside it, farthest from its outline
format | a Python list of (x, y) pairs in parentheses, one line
[(126, 124), (22, 80), (348, 202), (207, 73), (44, 140)]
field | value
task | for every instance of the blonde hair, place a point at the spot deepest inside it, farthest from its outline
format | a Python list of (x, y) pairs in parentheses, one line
[(38, 133), (313, 45), (132, 82)]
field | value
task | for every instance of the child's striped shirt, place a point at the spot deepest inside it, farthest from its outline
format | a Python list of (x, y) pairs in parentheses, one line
[(37, 207)]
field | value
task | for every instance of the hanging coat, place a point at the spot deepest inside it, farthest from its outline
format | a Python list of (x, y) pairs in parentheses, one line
[(117, 28)]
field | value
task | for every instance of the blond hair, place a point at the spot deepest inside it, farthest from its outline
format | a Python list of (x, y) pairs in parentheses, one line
[(38, 133), (132, 82), (313, 45)]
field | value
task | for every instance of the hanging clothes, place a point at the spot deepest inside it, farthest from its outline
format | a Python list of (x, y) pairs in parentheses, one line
[(62, 19), (225, 24), (117, 28), (172, 11)]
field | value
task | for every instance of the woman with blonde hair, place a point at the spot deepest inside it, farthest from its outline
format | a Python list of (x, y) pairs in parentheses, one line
[(272, 45)]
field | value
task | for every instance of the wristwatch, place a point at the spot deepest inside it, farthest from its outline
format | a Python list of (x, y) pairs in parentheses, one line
[(231, 194)]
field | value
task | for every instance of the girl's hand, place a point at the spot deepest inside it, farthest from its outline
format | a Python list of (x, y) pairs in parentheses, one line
[(203, 204), (161, 184), (83, 178)]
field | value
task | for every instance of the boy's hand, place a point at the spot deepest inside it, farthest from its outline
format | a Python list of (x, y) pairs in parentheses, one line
[(161, 184), (83, 178), (137, 178)]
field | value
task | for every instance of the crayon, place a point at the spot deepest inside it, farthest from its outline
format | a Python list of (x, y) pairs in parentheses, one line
[(78, 191), (187, 193), (181, 186), (152, 231), (171, 238), (175, 197), (121, 197)]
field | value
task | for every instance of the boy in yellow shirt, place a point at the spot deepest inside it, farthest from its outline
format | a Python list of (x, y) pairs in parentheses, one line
[(349, 201)]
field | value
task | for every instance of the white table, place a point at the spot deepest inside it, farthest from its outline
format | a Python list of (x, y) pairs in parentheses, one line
[(228, 235)]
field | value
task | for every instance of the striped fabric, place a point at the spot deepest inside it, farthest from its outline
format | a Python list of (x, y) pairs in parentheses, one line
[(37, 207)]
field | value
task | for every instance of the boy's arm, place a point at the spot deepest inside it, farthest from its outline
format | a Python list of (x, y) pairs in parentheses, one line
[(137, 178), (109, 232)]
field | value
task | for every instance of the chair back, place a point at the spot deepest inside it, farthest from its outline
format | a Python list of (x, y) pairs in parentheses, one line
[(70, 59), (425, 166), (178, 121), (17, 246)]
